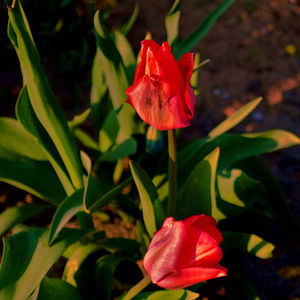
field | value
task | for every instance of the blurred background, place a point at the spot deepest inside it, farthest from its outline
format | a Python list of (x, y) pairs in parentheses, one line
[(254, 50)]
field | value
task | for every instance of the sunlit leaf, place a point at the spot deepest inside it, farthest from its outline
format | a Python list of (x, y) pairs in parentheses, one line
[(247, 243), (41, 96), (161, 295), (236, 118), (172, 23), (151, 206)]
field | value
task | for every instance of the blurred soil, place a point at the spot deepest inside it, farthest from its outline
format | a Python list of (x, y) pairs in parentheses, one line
[(254, 51)]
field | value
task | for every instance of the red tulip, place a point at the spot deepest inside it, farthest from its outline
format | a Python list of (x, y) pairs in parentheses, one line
[(185, 252), (161, 92)]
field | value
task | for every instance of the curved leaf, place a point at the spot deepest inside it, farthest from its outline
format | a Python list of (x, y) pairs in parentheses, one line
[(189, 42), (30, 122), (41, 96), (198, 195), (15, 142), (161, 295), (65, 211), (172, 23), (34, 177), (27, 258), (152, 210), (247, 243)]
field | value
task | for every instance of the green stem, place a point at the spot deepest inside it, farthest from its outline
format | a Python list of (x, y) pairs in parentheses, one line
[(137, 288), (172, 172)]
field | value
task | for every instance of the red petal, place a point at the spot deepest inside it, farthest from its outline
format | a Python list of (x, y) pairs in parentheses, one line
[(186, 64), (157, 104), (190, 276), (165, 250), (145, 45)]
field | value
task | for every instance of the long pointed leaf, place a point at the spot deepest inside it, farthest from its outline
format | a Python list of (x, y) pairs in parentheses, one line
[(41, 96), (188, 43), (172, 23), (151, 206), (115, 75)]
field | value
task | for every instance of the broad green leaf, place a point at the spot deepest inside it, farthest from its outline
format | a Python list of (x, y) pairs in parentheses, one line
[(161, 295), (236, 118), (152, 210), (172, 23), (189, 42), (18, 214), (37, 178), (126, 53), (41, 96), (15, 142), (129, 24), (198, 195), (235, 192), (111, 265), (247, 243), (65, 211), (53, 289), (116, 77), (27, 258), (109, 131), (235, 147), (126, 148), (30, 122)]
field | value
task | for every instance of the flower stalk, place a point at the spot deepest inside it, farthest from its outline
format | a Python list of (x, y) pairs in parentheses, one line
[(172, 172)]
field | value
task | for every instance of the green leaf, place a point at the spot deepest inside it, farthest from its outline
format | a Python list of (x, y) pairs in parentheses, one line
[(116, 77), (172, 23), (109, 131), (152, 210), (189, 42), (18, 214), (195, 74), (234, 147), (247, 243), (235, 192), (111, 265), (15, 142), (126, 148), (161, 295), (129, 24), (77, 258), (41, 96), (98, 91), (30, 122), (65, 211), (126, 53), (37, 178), (236, 118), (108, 196), (53, 289), (198, 195), (85, 139), (27, 258)]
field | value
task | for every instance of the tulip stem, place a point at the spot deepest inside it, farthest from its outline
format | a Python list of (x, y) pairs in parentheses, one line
[(137, 288), (172, 172)]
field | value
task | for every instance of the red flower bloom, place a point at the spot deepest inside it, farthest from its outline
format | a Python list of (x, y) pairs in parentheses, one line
[(185, 252), (161, 92)]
